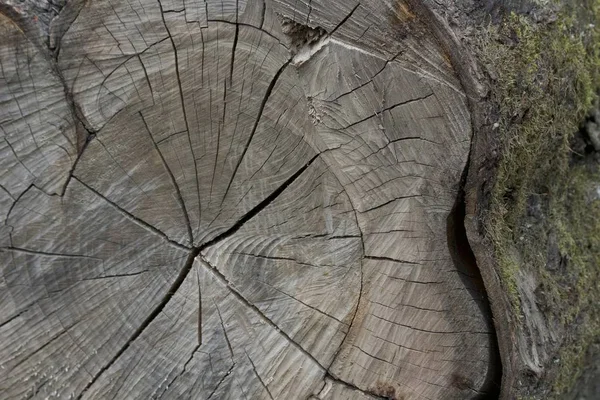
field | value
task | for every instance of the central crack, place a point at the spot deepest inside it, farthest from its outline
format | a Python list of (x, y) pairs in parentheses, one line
[(187, 267)]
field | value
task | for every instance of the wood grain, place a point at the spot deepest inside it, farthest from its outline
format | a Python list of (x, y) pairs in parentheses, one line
[(236, 199)]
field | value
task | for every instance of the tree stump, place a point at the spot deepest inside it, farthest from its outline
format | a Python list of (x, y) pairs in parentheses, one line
[(236, 200)]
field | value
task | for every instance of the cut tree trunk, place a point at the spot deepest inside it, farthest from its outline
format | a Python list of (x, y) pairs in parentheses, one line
[(236, 200)]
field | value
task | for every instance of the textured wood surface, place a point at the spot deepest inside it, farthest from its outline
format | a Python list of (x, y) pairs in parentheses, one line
[(236, 200)]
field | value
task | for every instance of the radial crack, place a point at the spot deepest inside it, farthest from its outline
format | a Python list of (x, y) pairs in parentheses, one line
[(224, 332), (303, 303), (223, 279), (395, 260), (199, 309), (235, 41), (47, 254), (259, 207), (12, 318), (88, 139), (256, 122), (343, 21), (403, 103), (183, 109), (182, 370), (155, 312), (221, 381), (132, 217), (258, 376), (179, 197)]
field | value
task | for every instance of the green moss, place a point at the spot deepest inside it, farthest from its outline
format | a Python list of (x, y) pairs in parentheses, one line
[(547, 77), (579, 238), (547, 83), (546, 80)]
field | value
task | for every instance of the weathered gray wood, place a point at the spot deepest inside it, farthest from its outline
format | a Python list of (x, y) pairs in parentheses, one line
[(39, 142), (260, 209)]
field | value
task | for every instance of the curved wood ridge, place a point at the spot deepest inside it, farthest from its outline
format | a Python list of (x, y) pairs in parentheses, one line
[(236, 200)]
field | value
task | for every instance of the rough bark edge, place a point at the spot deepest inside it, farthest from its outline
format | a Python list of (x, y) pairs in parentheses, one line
[(479, 171)]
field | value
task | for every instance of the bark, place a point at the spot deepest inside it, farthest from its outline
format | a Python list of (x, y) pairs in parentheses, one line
[(238, 199)]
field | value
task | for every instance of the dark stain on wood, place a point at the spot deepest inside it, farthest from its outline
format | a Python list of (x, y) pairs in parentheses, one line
[(404, 12), (405, 22), (387, 391), (460, 382)]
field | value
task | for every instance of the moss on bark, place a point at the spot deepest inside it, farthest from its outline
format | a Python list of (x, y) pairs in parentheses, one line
[(543, 221)]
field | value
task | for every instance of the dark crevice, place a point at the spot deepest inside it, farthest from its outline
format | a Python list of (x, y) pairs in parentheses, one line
[(224, 332), (259, 207), (235, 41), (458, 243), (199, 309), (219, 275), (5, 190), (219, 125), (224, 21), (343, 21), (155, 312), (256, 122), (34, 17), (38, 387), (468, 272), (385, 65), (183, 370), (195, 252), (14, 152), (179, 197), (47, 254), (115, 276), (146, 76), (386, 203), (61, 24), (132, 217), (10, 210), (182, 101), (328, 373), (309, 12), (44, 44), (258, 376), (303, 303), (460, 250), (263, 257), (10, 319), (391, 260), (262, 16), (221, 381), (437, 332), (35, 21), (87, 141), (367, 393), (341, 237), (42, 347), (378, 113)]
